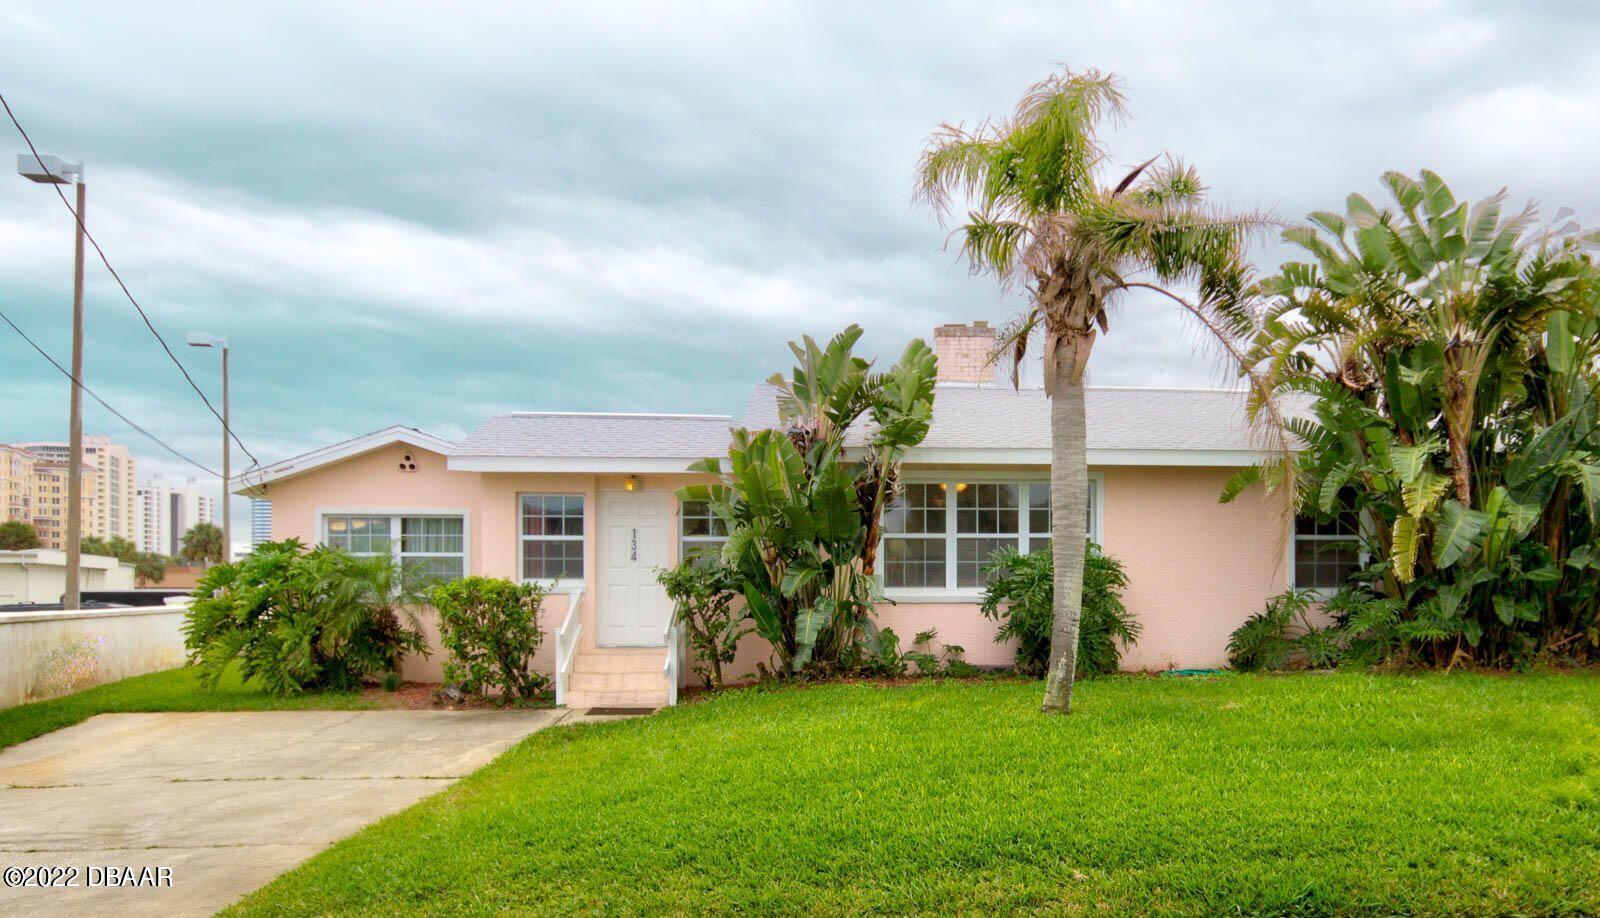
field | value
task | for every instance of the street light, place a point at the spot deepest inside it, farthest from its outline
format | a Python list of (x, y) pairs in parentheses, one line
[(53, 170), (201, 339)]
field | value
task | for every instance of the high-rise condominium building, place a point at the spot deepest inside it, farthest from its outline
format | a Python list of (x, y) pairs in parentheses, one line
[(16, 483), (166, 511), (110, 507), (49, 487), (260, 522)]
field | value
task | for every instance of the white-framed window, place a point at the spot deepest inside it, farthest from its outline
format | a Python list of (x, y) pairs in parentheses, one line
[(552, 536), (435, 544), (941, 531), (1325, 554), (358, 535), (915, 529), (701, 533), (432, 542)]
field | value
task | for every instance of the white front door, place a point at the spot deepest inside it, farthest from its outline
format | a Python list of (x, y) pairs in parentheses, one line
[(636, 538)]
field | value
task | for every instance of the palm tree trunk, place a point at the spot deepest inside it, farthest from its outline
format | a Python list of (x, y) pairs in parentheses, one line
[(1069, 505), (1458, 410)]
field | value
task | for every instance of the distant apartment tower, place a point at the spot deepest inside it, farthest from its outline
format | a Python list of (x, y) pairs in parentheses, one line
[(166, 511), (16, 483), (111, 505), (155, 517), (260, 522), (49, 487)]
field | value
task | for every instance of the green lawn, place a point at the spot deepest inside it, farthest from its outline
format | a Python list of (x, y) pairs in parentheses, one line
[(172, 690), (1290, 794)]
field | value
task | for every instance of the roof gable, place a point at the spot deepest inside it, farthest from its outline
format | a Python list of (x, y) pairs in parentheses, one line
[(249, 482)]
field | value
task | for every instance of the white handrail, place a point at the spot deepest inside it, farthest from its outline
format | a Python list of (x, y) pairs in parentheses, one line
[(567, 637), (672, 636)]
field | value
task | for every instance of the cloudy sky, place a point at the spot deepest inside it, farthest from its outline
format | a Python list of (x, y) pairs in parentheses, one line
[(426, 214)]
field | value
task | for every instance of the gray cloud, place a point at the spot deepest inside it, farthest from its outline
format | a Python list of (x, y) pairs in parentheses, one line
[(421, 213)]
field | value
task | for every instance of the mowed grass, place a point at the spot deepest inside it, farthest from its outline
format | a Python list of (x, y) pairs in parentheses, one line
[(171, 690), (1305, 794)]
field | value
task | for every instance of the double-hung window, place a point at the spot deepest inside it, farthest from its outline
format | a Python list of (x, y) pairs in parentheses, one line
[(701, 533), (432, 543), (940, 535), (552, 537)]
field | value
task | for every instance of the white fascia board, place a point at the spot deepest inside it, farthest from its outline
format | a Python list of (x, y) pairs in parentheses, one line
[(551, 464), (1215, 458)]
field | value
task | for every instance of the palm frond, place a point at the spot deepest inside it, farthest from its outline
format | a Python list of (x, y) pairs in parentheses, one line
[(955, 161), (1171, 184), (993, 245)]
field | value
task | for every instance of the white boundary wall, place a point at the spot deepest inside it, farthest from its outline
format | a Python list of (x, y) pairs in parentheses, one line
[(46, 654)]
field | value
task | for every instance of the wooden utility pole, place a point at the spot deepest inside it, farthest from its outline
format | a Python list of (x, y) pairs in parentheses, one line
[(227, 516)]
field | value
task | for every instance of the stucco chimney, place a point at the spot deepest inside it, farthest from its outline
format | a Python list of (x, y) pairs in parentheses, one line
[(964, 352)]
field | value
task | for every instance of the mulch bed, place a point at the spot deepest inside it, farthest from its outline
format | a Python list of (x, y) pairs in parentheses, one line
[(423, 696)]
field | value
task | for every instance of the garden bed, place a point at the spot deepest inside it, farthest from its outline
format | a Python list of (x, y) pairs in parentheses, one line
[(424, 696)]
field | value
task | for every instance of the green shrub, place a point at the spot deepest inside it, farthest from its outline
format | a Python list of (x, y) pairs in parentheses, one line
[(702, 595), (392, 682), (921, 654), (882, 656), (299, 620), (889, 660), (1282, 635), (490, 628), (1021, 596)]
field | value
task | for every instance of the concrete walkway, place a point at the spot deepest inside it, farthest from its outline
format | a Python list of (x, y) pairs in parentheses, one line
[(227, 801)]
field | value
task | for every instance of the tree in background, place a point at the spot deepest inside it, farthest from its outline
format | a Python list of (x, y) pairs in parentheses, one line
[(1043, 220), (114, 547), (202, 544), (15, 535), (149, 567)]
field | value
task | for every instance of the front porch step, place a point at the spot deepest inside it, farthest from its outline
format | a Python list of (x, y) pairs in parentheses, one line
[(640, 660), (618, 682), (618, 677)]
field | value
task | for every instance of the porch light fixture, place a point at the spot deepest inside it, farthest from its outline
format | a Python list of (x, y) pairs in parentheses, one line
[(631, 483)]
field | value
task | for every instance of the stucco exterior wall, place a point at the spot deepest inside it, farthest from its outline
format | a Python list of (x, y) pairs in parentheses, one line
[(491, 505), (46, 654), (1197, 568)]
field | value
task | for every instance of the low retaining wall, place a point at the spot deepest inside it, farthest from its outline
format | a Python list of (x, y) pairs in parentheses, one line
[(45, 654)]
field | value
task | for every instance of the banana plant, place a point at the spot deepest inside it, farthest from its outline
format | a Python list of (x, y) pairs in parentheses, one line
[(803, 506), (1448, 353)]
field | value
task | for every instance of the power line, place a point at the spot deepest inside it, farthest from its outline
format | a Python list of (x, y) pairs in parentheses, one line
[(125, 291), (91, 393)]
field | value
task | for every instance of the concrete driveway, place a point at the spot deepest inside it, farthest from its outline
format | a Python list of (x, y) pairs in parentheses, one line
[(227, 801)]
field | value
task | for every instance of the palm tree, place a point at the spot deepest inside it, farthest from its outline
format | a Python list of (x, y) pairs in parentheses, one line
[(202, 544), (1042, 221)]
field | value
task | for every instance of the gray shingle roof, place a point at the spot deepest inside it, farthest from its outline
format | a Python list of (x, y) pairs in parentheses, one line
[(608, 436), (999, 417)]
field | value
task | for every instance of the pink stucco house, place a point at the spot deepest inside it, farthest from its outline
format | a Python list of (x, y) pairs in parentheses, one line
[(585, 503)]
